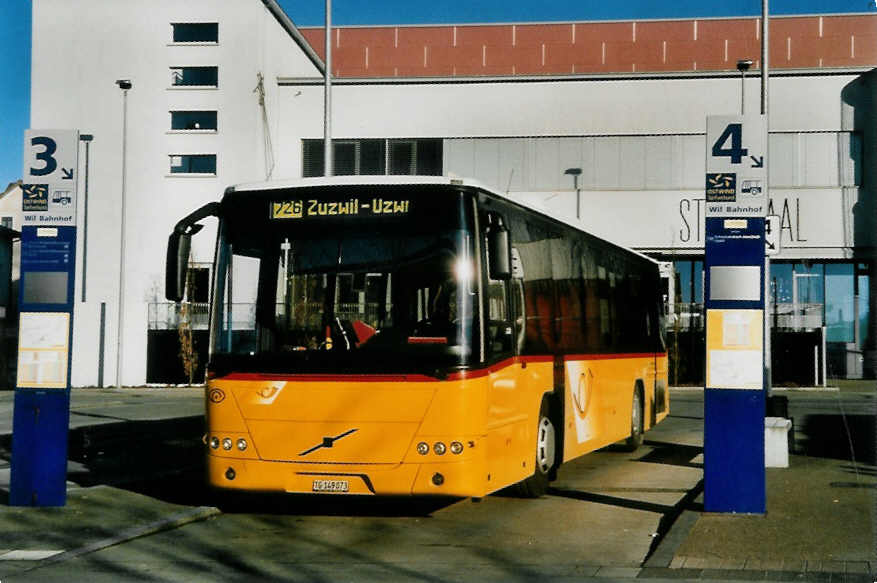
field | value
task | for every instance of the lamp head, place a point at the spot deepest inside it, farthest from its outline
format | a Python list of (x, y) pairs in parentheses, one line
[(124, 84), (743, 65)]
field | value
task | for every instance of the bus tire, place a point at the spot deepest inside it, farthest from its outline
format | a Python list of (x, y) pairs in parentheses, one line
[(637, 419), (546, 445)]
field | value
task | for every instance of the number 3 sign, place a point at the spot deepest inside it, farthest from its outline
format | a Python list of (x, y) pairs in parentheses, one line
[(50, 177)]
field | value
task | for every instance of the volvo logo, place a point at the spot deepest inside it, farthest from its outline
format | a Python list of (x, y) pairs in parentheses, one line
[(327, 442)]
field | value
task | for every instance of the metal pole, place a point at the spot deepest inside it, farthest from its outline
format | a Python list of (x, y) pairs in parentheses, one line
[(765, 30), (824, 360), (328, 166), (578, 198), (124, 86), (87, 139), (765, 50), (100, 349), (743, 92)]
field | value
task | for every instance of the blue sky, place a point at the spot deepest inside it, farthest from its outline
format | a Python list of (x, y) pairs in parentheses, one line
[(15, 32)]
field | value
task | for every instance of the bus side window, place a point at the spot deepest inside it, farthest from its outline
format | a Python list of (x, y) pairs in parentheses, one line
[(519, 313), (499, 334), (500, 331)]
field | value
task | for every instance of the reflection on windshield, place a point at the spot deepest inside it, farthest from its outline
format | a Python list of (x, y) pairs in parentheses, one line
[(339, 301)]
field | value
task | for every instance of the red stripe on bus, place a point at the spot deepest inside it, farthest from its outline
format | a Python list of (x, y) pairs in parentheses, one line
[(568, 357), (427, 340), (308, 378), (457, 376)]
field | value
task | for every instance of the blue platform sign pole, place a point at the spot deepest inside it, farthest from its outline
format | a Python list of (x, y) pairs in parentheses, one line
[(46, 291), (734, 394)]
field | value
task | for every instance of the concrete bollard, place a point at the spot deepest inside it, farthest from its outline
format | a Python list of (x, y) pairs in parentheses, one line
[(776, 442)]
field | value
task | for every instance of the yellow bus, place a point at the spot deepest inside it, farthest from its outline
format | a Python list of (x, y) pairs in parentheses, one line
[(416, 336)]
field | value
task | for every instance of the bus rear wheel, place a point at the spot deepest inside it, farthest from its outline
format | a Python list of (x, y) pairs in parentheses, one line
[(546, 446), (637, 415)]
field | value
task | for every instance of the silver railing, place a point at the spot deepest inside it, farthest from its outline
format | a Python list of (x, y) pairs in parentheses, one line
[(169, 315), (787, 317)]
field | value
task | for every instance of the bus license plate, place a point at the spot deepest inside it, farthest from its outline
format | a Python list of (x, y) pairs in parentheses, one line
[(331, 486)]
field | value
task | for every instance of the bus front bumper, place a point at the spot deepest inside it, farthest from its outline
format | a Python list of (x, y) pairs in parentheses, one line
[(460, 478)]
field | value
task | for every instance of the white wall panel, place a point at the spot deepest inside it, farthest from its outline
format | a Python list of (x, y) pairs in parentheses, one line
[(820, 159), (811, 221), (561, 108), (632, 163), (658, 154)]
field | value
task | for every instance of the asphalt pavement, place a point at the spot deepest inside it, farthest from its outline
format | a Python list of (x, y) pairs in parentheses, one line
[(135, 460)]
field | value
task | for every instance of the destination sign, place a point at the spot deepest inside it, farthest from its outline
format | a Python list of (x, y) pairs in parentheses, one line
[(356, 207)]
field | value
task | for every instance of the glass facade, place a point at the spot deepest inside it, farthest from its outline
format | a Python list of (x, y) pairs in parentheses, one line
[(803, 296), (357, 157)]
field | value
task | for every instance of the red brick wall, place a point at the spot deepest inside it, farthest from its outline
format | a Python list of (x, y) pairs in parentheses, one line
[(598, 47)]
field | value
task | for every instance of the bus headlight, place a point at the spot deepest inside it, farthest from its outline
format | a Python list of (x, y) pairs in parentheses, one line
[(439, 448), (423, 448), (226, 444), (456, 447), (242, 444), (214, 442)]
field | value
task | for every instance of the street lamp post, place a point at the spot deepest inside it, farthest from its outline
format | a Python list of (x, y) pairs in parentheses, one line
[(87, 138), (124, 85), (328, 162), (743, 66), (575, 173)]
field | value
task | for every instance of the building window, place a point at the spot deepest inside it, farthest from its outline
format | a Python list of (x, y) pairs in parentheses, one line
[(375, 157), (193, 120), (195, 32), (6, 222), (195, 76), (193, 163)]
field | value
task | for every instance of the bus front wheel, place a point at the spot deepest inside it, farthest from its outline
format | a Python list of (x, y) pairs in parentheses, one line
[(637, 412), (546, 443)]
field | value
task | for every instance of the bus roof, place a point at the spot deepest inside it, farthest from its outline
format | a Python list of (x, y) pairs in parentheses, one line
[(424, 180)]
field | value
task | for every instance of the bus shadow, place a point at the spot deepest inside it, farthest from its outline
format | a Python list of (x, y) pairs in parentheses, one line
[(329, 505), (162, 459), (165, 460), (673, 454)]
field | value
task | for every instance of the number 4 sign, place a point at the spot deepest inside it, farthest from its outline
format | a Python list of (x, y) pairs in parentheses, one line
[(736, 180)]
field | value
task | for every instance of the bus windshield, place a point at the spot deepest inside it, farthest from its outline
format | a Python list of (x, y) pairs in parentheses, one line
[(322, 298)]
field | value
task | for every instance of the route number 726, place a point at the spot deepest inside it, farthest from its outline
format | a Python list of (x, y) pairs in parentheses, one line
[(734, 133)]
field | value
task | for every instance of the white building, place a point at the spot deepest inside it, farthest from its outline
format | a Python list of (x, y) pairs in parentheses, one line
[(228, 91)]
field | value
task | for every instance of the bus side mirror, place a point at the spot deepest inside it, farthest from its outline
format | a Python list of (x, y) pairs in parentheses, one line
[(499, 252), (178, 246)]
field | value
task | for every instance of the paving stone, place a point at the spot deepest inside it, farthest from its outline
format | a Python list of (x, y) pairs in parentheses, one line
[(764, 564), (620, 572), (668, 573), (677, 562), (833, 567), (786, 576), (851, 578), (732, 564), (856, 567), (696, 563), (735, 574)]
